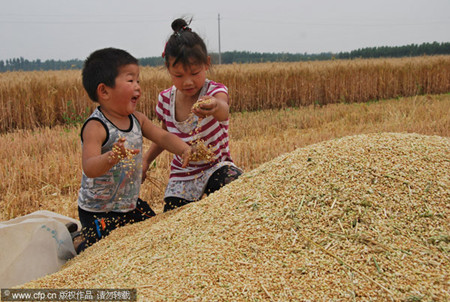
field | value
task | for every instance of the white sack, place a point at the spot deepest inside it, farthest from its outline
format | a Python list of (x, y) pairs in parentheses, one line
[(33, 246)]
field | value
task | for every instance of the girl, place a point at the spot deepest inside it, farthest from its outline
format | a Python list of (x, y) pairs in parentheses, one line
[(204, 125)]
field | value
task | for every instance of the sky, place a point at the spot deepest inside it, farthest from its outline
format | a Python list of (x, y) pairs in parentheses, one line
[(64, 30)]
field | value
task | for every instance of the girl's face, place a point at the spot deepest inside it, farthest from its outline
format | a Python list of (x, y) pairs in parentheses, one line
[(127, 90), (188, 79)]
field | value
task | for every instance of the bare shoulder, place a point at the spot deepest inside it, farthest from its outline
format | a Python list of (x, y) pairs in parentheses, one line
[(93, 129), (222, 96), (142, 118), (147, 125)]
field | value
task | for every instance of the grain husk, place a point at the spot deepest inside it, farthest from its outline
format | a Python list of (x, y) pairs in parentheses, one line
[(360, 218)]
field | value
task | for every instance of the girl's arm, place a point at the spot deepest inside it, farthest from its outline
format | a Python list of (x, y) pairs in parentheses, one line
[(217, 106), (94, 163)]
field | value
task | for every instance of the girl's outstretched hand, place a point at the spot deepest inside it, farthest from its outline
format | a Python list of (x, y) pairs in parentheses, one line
[(206, 105), (119, 152), (186, 156), (145, 166)]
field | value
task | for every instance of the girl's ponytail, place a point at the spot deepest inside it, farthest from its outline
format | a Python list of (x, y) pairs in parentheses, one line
[(184, 45), (179, 24)]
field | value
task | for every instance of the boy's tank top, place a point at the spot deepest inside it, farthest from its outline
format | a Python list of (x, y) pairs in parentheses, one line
[(118, 189)]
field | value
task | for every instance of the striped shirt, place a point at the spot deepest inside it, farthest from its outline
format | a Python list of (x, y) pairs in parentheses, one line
[(212, 132)]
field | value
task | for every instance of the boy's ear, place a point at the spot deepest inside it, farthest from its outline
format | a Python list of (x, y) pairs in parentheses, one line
[(102, 91)]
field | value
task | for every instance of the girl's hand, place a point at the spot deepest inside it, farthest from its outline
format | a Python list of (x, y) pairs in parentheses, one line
[(186, 155), (206, 105), (145, 166), (119, 152)]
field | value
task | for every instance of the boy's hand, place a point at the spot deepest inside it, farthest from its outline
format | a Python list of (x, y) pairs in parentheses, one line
[(119, 152), (206, 105)]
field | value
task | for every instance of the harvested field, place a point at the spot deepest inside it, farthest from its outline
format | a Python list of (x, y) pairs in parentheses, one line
[(361, 218)]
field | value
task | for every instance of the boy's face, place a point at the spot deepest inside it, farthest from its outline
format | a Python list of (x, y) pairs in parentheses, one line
[(188, 80), (127, 90)]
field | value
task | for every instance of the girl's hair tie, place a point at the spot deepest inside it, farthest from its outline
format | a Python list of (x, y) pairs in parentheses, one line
[(186, 28), (181, 30)]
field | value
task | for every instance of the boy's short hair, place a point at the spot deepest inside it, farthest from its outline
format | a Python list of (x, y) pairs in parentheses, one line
[(102, 66)]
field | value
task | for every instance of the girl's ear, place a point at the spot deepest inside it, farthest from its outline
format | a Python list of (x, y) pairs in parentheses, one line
[(209, 63), (102, 91)]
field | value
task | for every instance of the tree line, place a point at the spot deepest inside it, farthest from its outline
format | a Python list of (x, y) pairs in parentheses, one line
[(229, 57)]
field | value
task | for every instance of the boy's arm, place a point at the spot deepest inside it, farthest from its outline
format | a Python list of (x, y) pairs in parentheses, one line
[(94, 163), (163, 139), (217, 107)]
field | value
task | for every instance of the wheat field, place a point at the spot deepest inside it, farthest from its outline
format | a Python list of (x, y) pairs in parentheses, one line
[(41, 169), (36, 99)]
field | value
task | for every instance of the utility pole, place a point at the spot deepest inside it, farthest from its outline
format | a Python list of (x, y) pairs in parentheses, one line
[(218, 22)]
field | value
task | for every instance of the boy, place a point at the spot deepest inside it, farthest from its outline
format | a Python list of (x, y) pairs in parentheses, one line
[(112, 146)]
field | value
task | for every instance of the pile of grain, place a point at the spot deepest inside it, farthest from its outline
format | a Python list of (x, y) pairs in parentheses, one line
[(363, 217)]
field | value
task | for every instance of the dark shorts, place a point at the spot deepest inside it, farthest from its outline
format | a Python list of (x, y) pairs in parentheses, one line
[(218, 179), (95, 225)]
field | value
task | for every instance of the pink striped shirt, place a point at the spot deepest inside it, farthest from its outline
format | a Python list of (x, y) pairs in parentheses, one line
[(211, 131)]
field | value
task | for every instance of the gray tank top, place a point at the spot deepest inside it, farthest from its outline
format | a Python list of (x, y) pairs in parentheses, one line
[(118, 189)]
